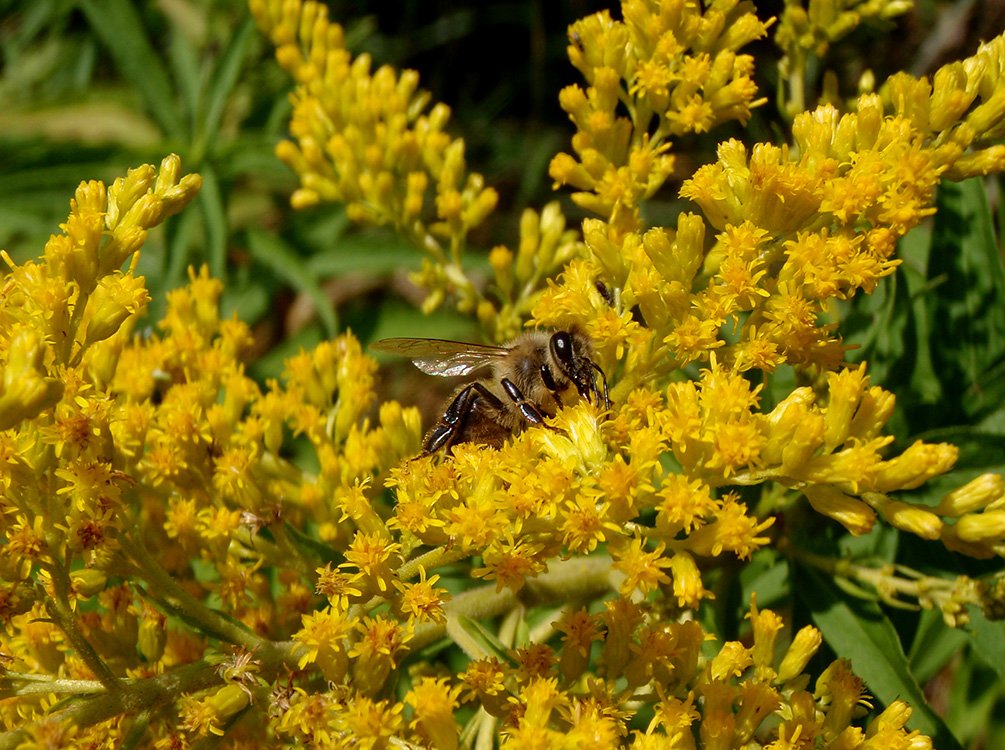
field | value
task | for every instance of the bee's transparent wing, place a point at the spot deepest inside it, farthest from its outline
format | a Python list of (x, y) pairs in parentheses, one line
[(443, 356)]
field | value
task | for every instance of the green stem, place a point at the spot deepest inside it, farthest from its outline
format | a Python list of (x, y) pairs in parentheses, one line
[(22, 683), (211, 621), (577, 579), (138, 696), (59, 610), (432, 559)]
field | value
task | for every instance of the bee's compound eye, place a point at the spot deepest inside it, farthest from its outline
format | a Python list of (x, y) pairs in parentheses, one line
[(561, 346)]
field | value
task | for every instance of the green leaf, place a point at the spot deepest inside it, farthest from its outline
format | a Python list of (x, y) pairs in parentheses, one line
[(312, 548), (987, 639), (364, 254), (186, 68), (271, 364), (935, 643), (177, 260), (860, 632), (225, 77), (467, 632), (121, 30), (968, 315), (280, 258), (215, 219)]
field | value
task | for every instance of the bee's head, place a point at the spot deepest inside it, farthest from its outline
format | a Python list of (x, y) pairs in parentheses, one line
[(572, 352)]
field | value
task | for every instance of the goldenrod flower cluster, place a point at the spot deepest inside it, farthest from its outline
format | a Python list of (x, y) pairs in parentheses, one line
[(673, 69), (805, 34), (190, 555), (370, 140)]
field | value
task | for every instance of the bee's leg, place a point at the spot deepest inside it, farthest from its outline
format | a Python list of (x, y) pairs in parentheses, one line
[(549, 382), (603, 379), (451, 423), (527, 409)]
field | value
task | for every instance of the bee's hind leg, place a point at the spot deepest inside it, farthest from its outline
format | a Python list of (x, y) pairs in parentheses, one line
[(450, 426)]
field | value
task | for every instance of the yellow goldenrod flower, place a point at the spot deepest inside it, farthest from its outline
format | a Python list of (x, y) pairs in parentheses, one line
[(423, 600), (484, 679), (643, 570), (434, 702), (381, 642), (803, 647), (27, 390)]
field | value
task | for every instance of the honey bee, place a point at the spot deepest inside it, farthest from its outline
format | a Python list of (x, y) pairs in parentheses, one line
[(532, 377)]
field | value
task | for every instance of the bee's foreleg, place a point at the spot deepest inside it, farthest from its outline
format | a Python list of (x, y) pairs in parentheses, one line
[(603, 379), (451, 424), (529, 412)]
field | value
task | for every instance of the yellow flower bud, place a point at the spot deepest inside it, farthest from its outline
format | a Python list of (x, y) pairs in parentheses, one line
[(952, 540), (26, 391), (84, 231), (766, 626), (600, 239), (783, 421), (985, 117), (986, 161), (501, 260), (125, 191), (845, 392), (913, 519), (530, 237), (731, 661), (434, 702), (975, 495), (126, 239), (983, 528), (167, 175), (950, 98), (851, 513), (152, 635), (87, 582), (228, 701), (687, 584), (915, 466), (844, 689), (117, 297), (874, 411), (805, 441), (677, 256), (483, 204), (803, 647), (90, 197), (175, 199), (892, 718)]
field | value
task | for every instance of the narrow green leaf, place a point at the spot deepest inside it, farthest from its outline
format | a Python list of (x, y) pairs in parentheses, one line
[(477, 633), (215, 217), (118, 25), (364, 255), (280, 258), (177, 260), (935, 643), (988, 640), (311, 547), (860, 632), (970, 702), (224, 78), (968, 313), (186, 68)]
